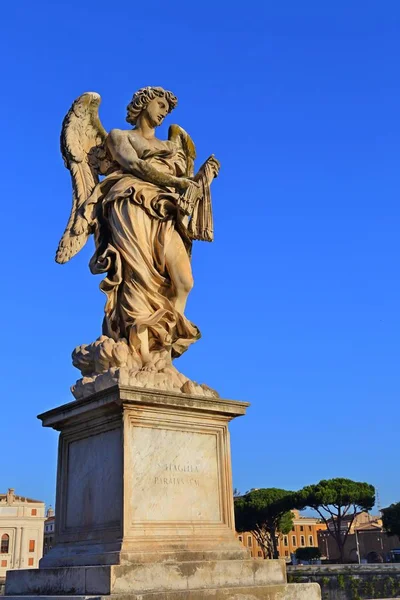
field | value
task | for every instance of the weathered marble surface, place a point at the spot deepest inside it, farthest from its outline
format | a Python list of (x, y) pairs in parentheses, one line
[(143, 476), (175, 475), (301, 591), (233, 579), (83, 481), (148, 577)]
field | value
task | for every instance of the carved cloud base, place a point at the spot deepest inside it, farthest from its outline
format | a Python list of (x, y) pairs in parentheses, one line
[(106, 363)]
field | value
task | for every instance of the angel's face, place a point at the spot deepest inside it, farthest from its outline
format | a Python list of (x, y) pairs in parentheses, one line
[(156, 111)]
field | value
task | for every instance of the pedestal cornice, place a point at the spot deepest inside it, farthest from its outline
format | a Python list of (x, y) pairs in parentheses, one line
[(111, 399)]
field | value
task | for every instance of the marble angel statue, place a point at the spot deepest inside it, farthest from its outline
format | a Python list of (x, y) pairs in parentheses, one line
[(140, 198)]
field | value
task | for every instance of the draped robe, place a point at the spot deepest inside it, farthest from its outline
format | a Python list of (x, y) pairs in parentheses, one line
[(135, 221)]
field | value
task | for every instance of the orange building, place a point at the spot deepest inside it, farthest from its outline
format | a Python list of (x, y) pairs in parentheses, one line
[(304, 534)]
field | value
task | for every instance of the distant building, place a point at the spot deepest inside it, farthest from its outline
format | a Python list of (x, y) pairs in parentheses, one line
[(304, 534), (361, 518), (21, 532), (367, 534), (49, 524)]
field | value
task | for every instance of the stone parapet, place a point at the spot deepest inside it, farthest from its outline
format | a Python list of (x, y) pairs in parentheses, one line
[(306, 591), (340, 582), (147, 577)]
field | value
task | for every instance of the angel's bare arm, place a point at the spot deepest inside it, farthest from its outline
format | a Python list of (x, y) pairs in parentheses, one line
[(124, 153)]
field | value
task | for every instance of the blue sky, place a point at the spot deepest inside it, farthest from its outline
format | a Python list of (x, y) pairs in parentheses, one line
[(298, 297)]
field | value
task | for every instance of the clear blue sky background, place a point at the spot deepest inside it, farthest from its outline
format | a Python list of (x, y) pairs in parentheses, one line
[(298, 298)]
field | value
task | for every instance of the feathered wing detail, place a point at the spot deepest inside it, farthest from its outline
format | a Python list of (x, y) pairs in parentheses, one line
[(82, 148), (179, 136)]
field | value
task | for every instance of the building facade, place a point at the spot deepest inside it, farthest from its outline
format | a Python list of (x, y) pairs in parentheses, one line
[(304, 534), (21, 532), (49, 527), (366, 542)]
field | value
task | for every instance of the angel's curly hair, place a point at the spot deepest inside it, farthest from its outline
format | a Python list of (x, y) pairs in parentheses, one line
[(143, 97)]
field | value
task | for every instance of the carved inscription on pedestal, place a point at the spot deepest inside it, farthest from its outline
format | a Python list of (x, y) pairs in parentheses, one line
[(175, 475)]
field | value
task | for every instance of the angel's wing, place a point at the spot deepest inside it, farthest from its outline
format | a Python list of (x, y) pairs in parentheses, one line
[(178, 135), (82, 148)]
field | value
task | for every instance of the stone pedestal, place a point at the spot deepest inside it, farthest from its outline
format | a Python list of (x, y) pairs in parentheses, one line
[(144, 505)]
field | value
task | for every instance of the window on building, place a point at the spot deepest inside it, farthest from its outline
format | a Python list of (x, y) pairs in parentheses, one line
[(294, 540), (30, 562), (301, 528), (286, 553), (34, 512), (311, 540), (293, 528), (309, 528), (5, 543), (3, 563), (302, 540), (285, 541), (249, 541), (240, 538), (31, 545)]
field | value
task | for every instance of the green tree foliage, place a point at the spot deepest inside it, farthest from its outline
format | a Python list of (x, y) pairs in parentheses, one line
[(311, 553), (391, 519), (266, 513), (337, 501)]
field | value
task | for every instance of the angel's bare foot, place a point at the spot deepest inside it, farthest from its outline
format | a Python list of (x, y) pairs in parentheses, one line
[(148, 366)]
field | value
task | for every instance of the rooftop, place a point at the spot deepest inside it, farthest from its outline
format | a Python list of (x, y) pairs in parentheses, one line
[(11, 498)]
